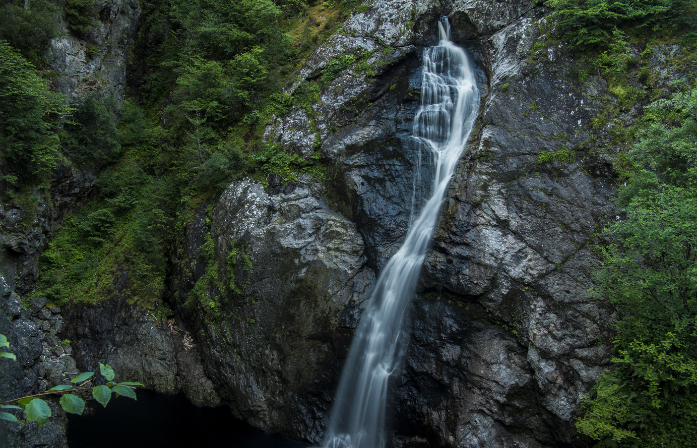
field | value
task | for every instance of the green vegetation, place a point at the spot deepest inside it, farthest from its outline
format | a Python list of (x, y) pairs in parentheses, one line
[(28, 117), (92, 136), (28, 27), (563, 155), (599, 23), (213, 80), (37, 410), (649, 399)]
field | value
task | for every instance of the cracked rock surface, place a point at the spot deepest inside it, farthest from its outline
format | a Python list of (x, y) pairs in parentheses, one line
[(505, 338), (301, 280)]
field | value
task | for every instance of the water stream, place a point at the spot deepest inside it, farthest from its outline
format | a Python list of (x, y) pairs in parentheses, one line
[(449, 106)]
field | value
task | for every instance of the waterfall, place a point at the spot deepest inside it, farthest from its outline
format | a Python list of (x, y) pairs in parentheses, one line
[(449, 106)]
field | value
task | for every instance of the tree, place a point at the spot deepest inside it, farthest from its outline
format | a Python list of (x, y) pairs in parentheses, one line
[(650, 275), (28, 115), (29, 25), (592, 23), (92, 136)]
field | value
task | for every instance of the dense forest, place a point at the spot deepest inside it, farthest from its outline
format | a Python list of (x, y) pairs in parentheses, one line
[(208, 75)]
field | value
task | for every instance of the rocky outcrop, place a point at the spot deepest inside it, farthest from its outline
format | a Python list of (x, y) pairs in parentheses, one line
[(43, 361), (506, 339), (139, 347), (97, 61), (271, 331)]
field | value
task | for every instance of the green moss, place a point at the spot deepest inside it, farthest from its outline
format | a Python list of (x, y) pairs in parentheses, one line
[(91, 51), (563, 155)]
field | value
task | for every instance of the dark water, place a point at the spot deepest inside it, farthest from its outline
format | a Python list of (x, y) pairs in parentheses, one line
[(161, 421)]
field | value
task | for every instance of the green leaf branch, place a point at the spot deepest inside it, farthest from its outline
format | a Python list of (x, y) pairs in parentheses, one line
[(37, 409)]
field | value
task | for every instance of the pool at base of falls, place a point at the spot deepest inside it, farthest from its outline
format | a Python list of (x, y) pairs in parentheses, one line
[(166, 421)]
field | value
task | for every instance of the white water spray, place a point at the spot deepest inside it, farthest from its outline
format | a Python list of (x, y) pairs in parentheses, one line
[(449, 106)]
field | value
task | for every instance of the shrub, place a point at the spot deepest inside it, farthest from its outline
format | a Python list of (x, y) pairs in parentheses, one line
[(29, 26), (92, 136), (28, 115), (649, 399), (592, 23)]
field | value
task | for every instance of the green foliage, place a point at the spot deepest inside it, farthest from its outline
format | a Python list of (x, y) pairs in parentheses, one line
[(274, 161), (72, 404), (91, 51), (5, 343), (649, 399), (215, 69), (336, 66), (82, 16), (595, 23), (28, 114), (28, 26), (37, 410), (291, 8), (92, 136), (102, 394), (82, 377), (206, 292), (563, 155)]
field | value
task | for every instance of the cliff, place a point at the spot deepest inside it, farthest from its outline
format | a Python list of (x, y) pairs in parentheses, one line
[(266, 282)]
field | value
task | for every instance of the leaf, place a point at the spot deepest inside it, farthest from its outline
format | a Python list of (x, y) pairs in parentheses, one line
[(37, 411), (72, 404), (82, 377), (107, 371), (7, 417), (25, 401), (8, 355), (130, 383), (59, 388), (102, 394), (3, 341), (125, 391), (9, 406)]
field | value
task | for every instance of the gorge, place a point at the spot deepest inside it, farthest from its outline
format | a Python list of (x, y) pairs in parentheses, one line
[(228, 245)]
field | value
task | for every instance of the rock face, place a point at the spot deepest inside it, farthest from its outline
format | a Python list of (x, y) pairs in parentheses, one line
[(293, 272), (98, 60), (505, 337), (140, 348), (43, 361)]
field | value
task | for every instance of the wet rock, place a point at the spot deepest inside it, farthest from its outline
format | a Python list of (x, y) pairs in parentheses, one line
[(270, 349), (514, 235), (139, 347)]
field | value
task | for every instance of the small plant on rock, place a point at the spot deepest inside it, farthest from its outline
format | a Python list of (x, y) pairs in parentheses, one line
[(37, 410)]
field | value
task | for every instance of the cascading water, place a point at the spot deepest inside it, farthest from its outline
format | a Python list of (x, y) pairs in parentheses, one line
[(449, 105)]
